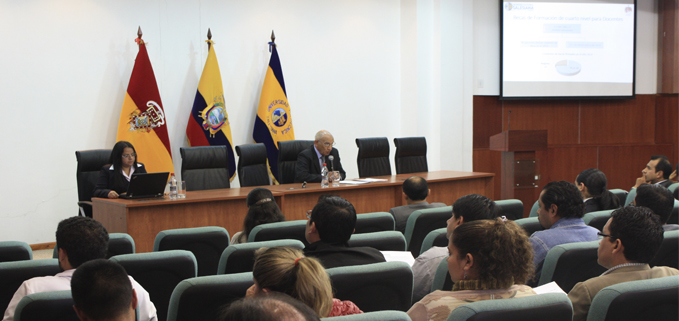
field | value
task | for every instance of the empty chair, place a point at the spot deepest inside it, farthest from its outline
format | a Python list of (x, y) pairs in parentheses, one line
[(206, 243), (53, 306), (238, 258), (252, 166), (373, 157), (530, 224), (287, 158), (12, 274), (202, 297), (570, 263), (280, 230), (90, 163), (597, 219), (620, 193), (652, 299), (158, 273), (549, 306), (421, 222), (383, 241), (511, 209), (374, 222), (15, 251), (118, 243), (373, 316), (205, 167), (534, 209), (668, 254), (436, 237), (374, 287), (411, 155)]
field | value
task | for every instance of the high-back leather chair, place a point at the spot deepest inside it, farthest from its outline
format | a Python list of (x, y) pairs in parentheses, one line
[(512, 209), (205, 167), (15, 251), (548, 306), (421, 222), (53, 306), (206, 243), (12, 274), (570, 263), (239, 258), (411, 155), (252, 167), (652, 299), (287, 158), (373, 157), (90, 163)]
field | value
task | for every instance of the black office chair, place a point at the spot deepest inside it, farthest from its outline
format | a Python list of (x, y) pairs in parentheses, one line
[(252, 166), (90, 163), (287, 158), (411, 155), (205, 167), (373, 157)]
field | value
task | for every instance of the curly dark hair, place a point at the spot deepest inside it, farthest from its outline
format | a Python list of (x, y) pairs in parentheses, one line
[(566, 197), (83, 239)]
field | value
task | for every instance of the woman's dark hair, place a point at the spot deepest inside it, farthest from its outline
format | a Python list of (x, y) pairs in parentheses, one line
[(116, 159), (257, 194), (595, 181), (262, 209)]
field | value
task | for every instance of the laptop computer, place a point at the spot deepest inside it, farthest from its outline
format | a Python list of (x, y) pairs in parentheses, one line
[(147, 185)]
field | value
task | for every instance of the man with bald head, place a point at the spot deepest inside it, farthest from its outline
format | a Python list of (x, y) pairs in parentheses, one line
[(311, 160)]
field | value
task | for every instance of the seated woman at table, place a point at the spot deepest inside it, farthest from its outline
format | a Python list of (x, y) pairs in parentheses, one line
[(488, 259), (592, 185), (287, 270), (262, 208), (114, 178)]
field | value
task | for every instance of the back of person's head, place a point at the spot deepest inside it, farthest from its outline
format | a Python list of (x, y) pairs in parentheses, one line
[(335, 219), (502, 254), (261, 212), (474, 207), (663, 165), (657, 198), (83, 239), (102, 290), (596, 183), (272, 306), (639, 230), (287, 270), (566, 197), (116, 158), (416, 188), (259, 194)]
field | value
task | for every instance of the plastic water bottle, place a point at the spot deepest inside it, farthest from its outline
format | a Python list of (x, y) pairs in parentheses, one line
[(173, 187), (324, 176)]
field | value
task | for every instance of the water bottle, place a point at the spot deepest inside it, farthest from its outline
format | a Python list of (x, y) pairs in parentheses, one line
[(324, 176), (173, 187)]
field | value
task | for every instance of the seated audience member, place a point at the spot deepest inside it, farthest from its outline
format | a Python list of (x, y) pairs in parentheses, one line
[(415, 191), (659, 200), (262, 209), (467, 208), (631, 238), (114, 178), (287, 270), (102, 291), (657, 171), (268, 307), (80, 239), (330, 225), (310, 161), (489, 259), (560, 213), (592, 185)]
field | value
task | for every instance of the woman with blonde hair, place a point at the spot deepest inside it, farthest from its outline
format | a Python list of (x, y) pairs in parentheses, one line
[(287, 270), (488, 259)]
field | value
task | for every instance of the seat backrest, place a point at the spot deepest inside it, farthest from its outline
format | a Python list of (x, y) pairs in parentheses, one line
[(382, 241), (674, 217), (158, 273), (421, 222), (668, 254), (652, 299), (287, 158), (280, 230), (442, 280), (238, 258), (201, 298), (597, 219), (373, 157), (436, 237), (374, 287), (15, 251), (90, 163), (673, 187), (570, 263), (620, 193), (630, 197), (119, 243), (252, 166), (549, 306), (530, 225), (534, 209), (373, 316), (411, 155), (374, 222), (206, 243), (12, 274), (511, 209), (205, 167), (53, 306)]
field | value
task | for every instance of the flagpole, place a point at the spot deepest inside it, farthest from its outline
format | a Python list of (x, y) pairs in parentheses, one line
[(209, 39), (273, 40), (139, 34)]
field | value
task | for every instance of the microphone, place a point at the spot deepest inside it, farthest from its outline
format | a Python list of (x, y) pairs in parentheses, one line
[(331, 158)]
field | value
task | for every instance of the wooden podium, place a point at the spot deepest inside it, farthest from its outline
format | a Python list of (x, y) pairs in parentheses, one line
[(519, 166)]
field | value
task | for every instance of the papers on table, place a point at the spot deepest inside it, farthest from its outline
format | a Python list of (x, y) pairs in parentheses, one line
[(359, 181), (352, 182)]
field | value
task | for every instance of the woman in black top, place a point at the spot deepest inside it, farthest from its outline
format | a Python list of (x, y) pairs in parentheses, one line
[(114, 178), (592, 184)]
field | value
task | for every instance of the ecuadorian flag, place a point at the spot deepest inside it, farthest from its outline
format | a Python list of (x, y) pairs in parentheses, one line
[(209, 122), (273, 122), (142, 119)]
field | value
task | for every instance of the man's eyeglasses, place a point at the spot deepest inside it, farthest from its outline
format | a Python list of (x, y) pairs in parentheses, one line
[(328, 144), (129, 155), (602, 235)]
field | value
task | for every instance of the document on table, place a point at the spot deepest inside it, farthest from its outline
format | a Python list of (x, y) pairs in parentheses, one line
[(370, 180), (353, 182)]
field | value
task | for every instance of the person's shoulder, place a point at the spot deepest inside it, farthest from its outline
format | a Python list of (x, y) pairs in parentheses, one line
[(661, 271), (432, 253), (107, 167)]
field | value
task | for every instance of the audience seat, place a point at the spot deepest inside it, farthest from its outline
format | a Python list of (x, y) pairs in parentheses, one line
[(534, 209), (383, 241), (652, 299), (673, 187), (90, 163), (530, 224), (202, 298), (15, 251), (597, 219), (205, 167), (674, 217), (387, 315), (411, 155), (206, 243), (252, 165), (442, 280), (630, 197), (549, 306), (374, 222), (12, 274), (512, 209), (620, 193), (436, 237), (287, 158), (53, 306), (373, 157), (570, 263), (668, 254), (374, 287), (280, 230), (421, 222), (238, 258)]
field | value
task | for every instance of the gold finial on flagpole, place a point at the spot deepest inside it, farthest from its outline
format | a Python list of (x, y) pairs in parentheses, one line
[(273, 37), (209, 38), (139, 34)]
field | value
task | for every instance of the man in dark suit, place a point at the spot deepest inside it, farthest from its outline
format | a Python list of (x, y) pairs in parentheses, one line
[(657, 171), (310, 161), (415, 191)]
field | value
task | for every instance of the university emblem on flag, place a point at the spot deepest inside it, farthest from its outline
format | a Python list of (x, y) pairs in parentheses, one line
[(145, 121), (278, 111), (214, 116)]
